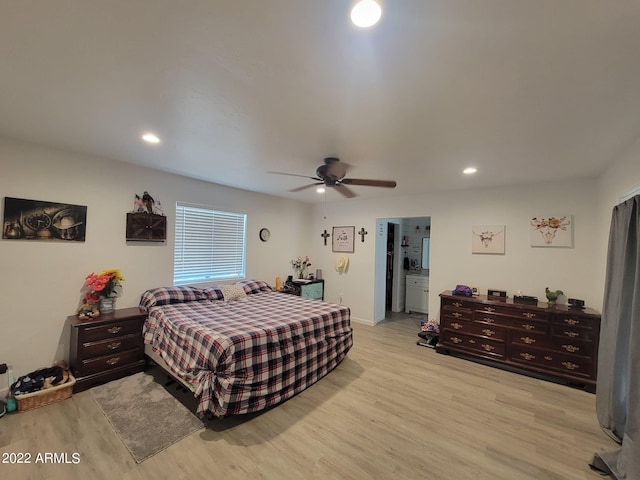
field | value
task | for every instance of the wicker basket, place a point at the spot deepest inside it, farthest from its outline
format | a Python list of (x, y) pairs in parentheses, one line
[(29, 401)]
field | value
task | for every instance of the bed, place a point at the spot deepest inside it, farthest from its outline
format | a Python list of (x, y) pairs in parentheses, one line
[(242, 348)]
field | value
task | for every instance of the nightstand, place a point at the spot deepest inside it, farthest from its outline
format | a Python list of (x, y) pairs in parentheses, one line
[(310, 289), (106, 348)]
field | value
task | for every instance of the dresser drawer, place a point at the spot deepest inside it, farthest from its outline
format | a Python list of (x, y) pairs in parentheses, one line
[(457, 304), (488, 331), (572, 333), (566, 363), (573, 321), (106, 362), (110, 346), (486, 346), (511, 322), (515, 312), (111, 330), (558, 344)]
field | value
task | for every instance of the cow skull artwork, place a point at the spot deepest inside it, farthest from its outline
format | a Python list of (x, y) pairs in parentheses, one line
[(549, 228)]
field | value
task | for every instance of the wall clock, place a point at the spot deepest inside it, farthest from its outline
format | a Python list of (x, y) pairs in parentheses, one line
[(265, 234)]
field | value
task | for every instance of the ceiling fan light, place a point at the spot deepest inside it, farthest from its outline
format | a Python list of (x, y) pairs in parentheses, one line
[(366, 13), (320, 190), (470, 170)]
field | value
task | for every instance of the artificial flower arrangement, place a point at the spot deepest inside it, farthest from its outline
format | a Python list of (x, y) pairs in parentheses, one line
[(106, 284), (300, 264)]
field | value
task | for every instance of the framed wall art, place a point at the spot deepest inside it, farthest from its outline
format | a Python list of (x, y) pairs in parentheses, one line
[(488, 239), (552, 231), (38, 220), (342, 239)]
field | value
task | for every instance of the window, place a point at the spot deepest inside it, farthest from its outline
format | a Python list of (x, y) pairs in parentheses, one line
[(209, 245)]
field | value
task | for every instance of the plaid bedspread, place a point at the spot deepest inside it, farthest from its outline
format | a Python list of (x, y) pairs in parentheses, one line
[(246, 356)]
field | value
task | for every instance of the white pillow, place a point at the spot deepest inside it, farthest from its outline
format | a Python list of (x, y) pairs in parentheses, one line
[(233, 292)]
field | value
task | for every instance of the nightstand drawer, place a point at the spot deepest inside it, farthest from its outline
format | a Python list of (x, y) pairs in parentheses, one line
[(106, 362), (116, 329), (110, 346)]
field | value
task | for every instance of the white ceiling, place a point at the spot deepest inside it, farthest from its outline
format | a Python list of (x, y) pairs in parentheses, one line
[(525, 90)]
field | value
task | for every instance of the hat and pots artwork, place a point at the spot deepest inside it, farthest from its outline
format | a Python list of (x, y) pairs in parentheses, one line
[(39, 220)]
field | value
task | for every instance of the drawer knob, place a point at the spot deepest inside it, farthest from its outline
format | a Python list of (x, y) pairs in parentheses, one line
[(571, 321), (488, 319), (457, 304), (548, 358), (528, 340), (114, 345), (488, 348), (570, 348), (456, 340), (113, 361), (490, 309), (527, 356), (529, 314), (456, 326), (570, 366), (571, 334), (526, 326), (456, 314), (488, 332), (472, 342), (114, 330)]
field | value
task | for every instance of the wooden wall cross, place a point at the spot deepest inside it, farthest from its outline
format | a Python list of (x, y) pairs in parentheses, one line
[(362, 233), (325, 235)]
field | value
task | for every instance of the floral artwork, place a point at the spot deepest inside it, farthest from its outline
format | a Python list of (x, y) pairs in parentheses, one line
[(488, 239), (553, 231), (300, 266)]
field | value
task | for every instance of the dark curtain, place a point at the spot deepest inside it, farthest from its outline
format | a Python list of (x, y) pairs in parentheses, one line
[(618, 387)]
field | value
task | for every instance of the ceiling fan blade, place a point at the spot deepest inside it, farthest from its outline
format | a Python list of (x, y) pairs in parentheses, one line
[(369, 183), (299, 189), (295, 175), (347, 192)]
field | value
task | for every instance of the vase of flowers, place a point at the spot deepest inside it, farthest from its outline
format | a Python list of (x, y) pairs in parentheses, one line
[(103, 289), (300, 265)]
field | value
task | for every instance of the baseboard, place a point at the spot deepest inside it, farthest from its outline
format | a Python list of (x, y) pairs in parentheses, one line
[(362, 320)]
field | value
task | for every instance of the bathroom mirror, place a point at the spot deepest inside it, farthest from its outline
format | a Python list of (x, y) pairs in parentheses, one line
[(425, 253)]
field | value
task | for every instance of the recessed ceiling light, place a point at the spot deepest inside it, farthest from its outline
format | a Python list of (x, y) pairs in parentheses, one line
[(366, 13), (320, 190), (151, 138), (469, 170)]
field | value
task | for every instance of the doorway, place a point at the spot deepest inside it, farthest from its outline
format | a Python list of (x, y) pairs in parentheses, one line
[(399, 251)]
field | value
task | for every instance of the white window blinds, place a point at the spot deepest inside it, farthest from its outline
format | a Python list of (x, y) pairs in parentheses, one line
[(209, 245)]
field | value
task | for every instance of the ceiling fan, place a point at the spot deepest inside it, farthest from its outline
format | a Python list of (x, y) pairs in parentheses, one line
[(332, 174)]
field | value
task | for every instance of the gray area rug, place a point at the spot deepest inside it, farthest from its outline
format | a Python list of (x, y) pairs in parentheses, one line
[(145, 416)]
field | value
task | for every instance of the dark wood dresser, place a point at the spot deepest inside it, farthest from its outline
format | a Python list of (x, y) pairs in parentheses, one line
[(107, 347), (556, 341)]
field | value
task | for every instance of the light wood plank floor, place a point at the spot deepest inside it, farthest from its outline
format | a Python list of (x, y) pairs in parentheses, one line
[(392, 410)]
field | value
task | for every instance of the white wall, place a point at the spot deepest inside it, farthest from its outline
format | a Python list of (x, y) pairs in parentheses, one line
[(452, 216), (41, 280)]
